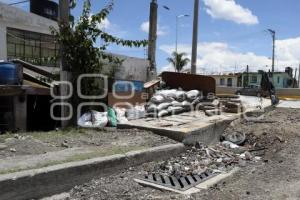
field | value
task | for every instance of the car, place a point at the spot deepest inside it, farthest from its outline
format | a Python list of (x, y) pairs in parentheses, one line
[(252, 90)]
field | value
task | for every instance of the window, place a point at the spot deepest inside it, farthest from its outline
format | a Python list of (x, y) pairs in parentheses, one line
[(253, 79), (229, 82), (222, 81), (278, 79), (32, 47)]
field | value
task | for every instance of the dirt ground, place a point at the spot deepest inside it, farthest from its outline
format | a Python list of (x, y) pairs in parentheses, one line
[(39, 149), (276, 176)]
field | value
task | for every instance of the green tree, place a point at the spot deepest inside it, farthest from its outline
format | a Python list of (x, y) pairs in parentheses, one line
[(178, 60), (83, 52)]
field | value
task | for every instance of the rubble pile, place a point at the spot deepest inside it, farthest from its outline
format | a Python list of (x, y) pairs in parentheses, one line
[(221, 157)]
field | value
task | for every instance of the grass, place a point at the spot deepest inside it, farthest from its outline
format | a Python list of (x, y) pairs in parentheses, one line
[(79, 157)]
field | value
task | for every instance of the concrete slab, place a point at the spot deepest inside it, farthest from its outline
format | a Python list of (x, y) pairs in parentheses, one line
[(289, 104), (195, 126)]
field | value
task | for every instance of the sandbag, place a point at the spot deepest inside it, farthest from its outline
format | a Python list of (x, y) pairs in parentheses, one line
[(180, 96), (162, 113), (176, 103), (151, 108), (192, 94), (157, 99), (137, 112), (163, 106), (167, 93)]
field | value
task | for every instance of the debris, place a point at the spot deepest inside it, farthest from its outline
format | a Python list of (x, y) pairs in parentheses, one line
[(231, 145), (247, 156), (279, 138), (3, 146), (65, 144), (12, 150), (93, 119), (235, 137)]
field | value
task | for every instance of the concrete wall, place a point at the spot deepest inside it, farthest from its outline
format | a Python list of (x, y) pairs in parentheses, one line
[(131, 69), (13, 17), (280, 92)]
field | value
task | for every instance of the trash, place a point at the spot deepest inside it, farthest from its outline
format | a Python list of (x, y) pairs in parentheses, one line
[(112, 117), (136, 112), (12, 150), (235, 137), (246, 156), (93, 119), (120, 112), (231, 145)]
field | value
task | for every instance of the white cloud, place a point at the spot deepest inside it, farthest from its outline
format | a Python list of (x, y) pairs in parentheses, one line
[(161, 30), (112, 28), (230, 10), (218, 57)]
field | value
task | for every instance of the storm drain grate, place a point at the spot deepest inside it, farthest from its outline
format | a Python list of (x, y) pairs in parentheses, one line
[(181, 183)]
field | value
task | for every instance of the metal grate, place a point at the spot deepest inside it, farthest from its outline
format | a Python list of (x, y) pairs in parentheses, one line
[(181, 183)]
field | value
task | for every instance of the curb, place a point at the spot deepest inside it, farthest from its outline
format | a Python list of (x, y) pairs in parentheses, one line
[(47, 181)]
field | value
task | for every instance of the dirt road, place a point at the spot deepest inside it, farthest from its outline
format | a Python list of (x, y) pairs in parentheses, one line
[(277, 176)]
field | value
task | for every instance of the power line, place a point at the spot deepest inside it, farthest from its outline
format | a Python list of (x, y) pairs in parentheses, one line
[(11, 4)]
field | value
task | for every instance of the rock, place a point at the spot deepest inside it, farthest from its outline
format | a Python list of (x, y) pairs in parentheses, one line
[(3, 146), (248, 155), (279, 138), (65, 144), (235, 137), (242, 163), (12, 150)]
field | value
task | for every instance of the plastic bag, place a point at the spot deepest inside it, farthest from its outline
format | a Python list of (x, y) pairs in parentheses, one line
[(93, 119), (112, 117)]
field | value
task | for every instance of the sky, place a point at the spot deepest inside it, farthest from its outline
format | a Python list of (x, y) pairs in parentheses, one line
[(232, 33)]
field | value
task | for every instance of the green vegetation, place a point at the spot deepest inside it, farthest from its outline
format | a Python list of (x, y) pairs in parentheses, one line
[(178, 61)]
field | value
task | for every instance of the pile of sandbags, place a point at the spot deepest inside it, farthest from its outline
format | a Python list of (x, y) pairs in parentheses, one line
[(168, 102)]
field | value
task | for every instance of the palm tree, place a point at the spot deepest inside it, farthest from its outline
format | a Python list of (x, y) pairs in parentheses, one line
[(178, 60)]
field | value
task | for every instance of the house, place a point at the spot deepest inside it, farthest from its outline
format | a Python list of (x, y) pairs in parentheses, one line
[(280, 79), (227, 80), (26, 36)]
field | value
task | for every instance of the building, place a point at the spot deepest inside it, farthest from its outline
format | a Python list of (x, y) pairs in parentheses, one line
[(26, 36), (227, 80), (280, 79)]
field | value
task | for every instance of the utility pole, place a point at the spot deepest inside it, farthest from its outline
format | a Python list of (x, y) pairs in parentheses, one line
[(65, 71), (299, 77), (295, 78), (248, 76), (273, 33), (152, 36), (195, 37)]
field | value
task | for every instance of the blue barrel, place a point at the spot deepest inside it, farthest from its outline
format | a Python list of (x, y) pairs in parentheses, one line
[(8, 74)]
